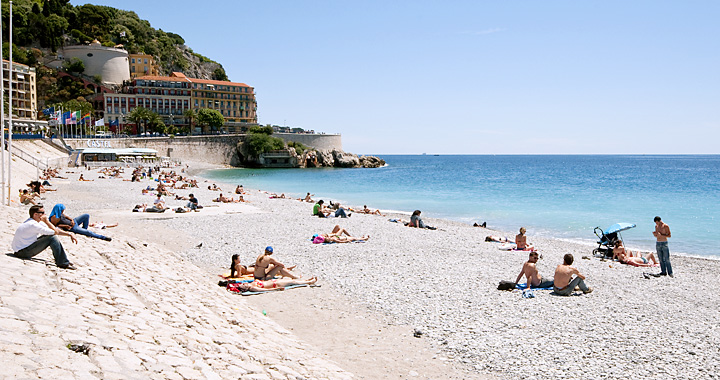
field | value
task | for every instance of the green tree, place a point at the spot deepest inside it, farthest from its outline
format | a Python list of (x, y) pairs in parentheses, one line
[(212, 119), (189, 117), (267, 130), (52, 34), (219, 74), (259, 143), (140, 116), (156, 123), (74, 65)]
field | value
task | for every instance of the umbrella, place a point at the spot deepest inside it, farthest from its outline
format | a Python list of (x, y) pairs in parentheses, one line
[(617, 227)]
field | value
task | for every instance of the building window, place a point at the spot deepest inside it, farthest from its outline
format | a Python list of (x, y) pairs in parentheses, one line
[(133, 60), (145, 63)]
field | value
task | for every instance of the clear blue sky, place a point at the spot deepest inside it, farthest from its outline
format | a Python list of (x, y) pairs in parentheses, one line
[(469, 77)]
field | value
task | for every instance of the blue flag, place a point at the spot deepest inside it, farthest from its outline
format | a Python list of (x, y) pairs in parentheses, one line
[(65, 117), (114, 123), (49, 111)]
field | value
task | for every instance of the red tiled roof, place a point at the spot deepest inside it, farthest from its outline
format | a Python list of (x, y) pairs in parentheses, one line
[(217, 82), (166, 79)]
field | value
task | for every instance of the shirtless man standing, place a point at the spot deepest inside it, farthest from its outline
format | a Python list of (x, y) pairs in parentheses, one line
[(662, 233), (563, 284), (533, 277)]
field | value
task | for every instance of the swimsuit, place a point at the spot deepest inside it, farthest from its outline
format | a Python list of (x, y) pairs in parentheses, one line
[(260, 284)]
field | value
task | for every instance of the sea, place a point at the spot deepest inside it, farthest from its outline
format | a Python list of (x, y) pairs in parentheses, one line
[(560, 196)]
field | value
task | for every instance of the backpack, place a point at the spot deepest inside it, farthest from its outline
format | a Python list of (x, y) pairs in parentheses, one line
[(506, 285)]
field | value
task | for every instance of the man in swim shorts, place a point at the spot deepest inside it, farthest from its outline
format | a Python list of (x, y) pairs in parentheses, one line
[(532, 275)]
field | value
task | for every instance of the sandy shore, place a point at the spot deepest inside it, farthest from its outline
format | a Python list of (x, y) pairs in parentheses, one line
[(443, 283)]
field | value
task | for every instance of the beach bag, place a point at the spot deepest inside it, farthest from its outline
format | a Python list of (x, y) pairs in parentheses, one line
[(506, 285)]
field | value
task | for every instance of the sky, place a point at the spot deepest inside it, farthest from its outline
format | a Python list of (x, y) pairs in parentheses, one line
[(469, 77)]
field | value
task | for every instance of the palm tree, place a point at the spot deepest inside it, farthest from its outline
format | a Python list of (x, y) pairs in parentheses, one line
[(189, 116), (140, 115)]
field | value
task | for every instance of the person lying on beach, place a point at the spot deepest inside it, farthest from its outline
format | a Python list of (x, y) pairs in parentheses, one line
[(625, 256), (214, 188), (275, 196), (498, 239), (267, 267), (272, 285), (483, 225), (102, 226), (336, 236), (564, 283), (532, 275), (143, 208), (417, 222), (521, 241), (78, 225), (366, 210), (223, 199), (28, 199), (38, 188), (84, 180), (239, 190), (340, 211)]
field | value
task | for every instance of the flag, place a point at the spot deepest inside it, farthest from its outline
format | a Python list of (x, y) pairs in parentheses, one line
[(58, 114), (86, 118), (65, 117), (75, 117), (49, 111), (100, 123), (114, 123)]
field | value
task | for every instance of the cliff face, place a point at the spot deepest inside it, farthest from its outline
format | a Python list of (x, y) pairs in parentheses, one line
[(196, 67)]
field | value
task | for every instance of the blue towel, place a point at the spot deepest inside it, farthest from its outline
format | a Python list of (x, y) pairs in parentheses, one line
[(524, 286)]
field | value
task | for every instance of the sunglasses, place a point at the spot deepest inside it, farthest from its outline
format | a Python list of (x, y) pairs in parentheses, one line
[(39, 212)]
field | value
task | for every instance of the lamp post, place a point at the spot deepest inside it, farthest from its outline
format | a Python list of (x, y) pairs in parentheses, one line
[(172, 122)]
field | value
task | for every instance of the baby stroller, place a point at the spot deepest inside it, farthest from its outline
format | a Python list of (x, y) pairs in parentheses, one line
[(608, 238)]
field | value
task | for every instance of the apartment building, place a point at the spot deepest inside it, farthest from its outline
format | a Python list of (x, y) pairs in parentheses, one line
[(235, 101), (169, 97), (24, 90), (142, 64)]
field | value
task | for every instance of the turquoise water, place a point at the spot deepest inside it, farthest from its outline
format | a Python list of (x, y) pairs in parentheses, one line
[(558, 196)]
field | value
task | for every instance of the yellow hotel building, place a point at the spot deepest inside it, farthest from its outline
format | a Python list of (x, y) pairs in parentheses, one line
[(235, 101), (142, 64)]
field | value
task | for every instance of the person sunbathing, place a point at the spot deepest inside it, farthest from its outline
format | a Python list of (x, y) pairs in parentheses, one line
[(308, 198), (273, 285), (521, 241), (366, 210), (223, 199), (237, 269), (498, 239), (28, 199), (625, 256), (84, 180), (336, 236), (239, 190), (267, 267)]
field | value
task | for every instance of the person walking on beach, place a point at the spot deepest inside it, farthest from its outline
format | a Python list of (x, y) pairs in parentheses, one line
[(36, 234), (532, 275), (662, 233), (563, 283)]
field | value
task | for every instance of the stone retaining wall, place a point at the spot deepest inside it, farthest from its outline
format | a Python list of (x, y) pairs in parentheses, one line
[(216, 149)]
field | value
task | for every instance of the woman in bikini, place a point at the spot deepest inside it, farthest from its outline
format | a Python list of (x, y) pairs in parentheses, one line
[(266, 267), (237, 269), (626, 257), (271, 285)]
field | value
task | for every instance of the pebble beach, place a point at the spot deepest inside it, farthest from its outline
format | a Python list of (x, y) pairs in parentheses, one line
[(433, 294)]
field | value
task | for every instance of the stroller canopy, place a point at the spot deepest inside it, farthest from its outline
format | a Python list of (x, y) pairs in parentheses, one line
[(617, 227)]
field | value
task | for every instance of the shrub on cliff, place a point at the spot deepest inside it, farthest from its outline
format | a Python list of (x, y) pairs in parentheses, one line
[(267, 130), (299, 147), (259, 143)]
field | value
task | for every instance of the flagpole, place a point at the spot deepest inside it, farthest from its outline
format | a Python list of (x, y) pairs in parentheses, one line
[(10, 116), (2, 119)]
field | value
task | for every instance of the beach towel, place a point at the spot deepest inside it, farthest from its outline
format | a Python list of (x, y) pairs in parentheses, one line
[(524, 286), (322, 241), (235, 290)]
